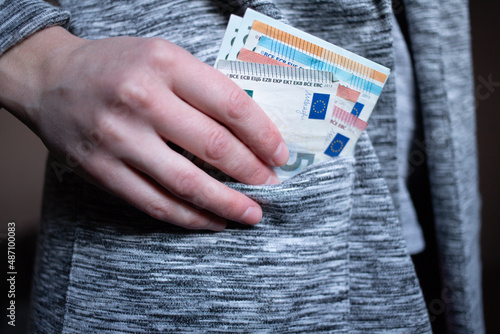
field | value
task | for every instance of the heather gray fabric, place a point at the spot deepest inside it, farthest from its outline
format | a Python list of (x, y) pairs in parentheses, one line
[(406, 114), (321, 261), (440, 33), (329, 255), (22, 18)]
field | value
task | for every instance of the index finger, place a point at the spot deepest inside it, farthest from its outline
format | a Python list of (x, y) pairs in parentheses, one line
[(211, 92)]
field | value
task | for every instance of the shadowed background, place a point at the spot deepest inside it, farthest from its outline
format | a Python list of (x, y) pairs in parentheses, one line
[(22, 163)]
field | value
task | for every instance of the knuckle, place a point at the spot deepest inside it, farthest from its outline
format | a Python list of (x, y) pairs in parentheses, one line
[(159, 209), (238, 107), (132, 92), (118, 108), (105, 123), (186, 184), (192, 222), (107, 134), (218, 143), (156, 48), (239, 166), (108, 130), (164, 210), (248, 170), (258, 174), (162, 55)]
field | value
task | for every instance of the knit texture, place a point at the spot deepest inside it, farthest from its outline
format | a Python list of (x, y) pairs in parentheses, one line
[(22, 18), (441, 42), (329, 255), (322, 260)]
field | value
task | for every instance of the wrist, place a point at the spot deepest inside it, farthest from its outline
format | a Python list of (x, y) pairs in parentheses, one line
[(26, 67)]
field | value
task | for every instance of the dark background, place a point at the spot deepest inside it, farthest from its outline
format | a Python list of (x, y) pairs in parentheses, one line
[(22, 158), (485, 21)]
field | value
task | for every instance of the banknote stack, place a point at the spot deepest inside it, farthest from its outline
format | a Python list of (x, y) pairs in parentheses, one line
[(319, 95)]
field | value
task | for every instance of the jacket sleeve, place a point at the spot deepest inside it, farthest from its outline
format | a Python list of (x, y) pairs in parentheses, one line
[(440, 32), (20, 19)]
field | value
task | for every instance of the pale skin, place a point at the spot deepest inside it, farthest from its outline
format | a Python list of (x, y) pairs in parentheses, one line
[(132, 95)]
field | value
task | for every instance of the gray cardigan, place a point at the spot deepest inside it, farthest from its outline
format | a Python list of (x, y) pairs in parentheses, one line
[(329, 255)]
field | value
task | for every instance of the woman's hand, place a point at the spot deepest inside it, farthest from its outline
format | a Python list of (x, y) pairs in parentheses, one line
[(107, 108)]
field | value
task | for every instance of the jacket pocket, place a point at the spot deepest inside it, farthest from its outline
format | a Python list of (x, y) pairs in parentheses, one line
[(287, 274)]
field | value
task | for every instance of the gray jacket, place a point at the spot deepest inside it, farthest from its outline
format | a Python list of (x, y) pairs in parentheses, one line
[(329, 255)]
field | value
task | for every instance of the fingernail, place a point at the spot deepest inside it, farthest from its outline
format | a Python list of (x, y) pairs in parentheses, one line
[(280, 156), (273, 179), (252, 216)]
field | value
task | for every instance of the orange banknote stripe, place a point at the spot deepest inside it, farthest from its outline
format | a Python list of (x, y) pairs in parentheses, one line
[(318, 51)]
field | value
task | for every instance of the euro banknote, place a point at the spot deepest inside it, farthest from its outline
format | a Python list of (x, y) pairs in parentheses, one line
[(300, 103), (263, 39), (318, 121)]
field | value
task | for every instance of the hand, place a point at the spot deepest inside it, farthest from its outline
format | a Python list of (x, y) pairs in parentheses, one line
[(109, 106)]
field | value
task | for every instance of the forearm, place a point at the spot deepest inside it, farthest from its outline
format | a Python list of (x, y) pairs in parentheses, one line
[(18, 60), (26, 67)]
